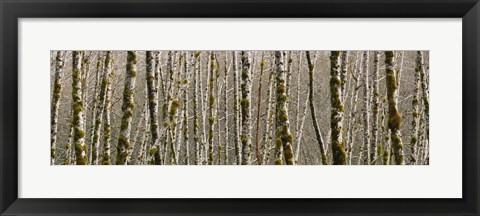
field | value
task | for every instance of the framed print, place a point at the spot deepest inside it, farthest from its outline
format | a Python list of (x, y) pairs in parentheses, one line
[(227, 107)]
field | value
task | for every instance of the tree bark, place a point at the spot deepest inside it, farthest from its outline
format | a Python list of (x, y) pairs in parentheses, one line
[(318, 134), (106, 158), (394, 118), (56, 95), (426, 103), (366, 111), (154, 151), (124, 143), (78, 123), (415, 109), (283, 136), (211, 107), (337, 110), (186, 78), (259, 111), (196, 138), (269, 116), (376, 150), (225, 84), (352, 120), (245, 88), (236, 113)]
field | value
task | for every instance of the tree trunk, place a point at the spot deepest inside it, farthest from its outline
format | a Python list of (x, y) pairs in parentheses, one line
[(135, 142), (245, 88), (283, 136), (57, 89), (299, 132), (394, 118), (225, 84), (366, 111), (100, 107), (84, 80), (106, 158), (318, 134), (78, 123), (172, 113), (338, 149), (269, 115), (211, 106), (352, 120), (204, 96), (259, 111), (289, 60), (186, 79), (142, 154), (236, 113), (154, 151), (343, 73), (426, 103), (415, 110), (376, 150), (124, 144), (93, 114), (196, 138)]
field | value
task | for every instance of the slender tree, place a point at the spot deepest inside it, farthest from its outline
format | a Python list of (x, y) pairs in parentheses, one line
[(394, 118), (93, 113), (106, 157), (225, 104), (107, 69), (298, 125), (142, 152), (85, 67), (78, 123), (211, 107), (366, 111), (136, 144), (415, 110), (128, 105), (343, 73), (288, 61), (186, 78), (154, 151), (236, 113), (196, 105), (268, 118), (425, 94), (376, 148), (204, 96), (336, 120), (259, 111), (245, 88), (57, 89), (283, 136), (318, 134), (352, 120)]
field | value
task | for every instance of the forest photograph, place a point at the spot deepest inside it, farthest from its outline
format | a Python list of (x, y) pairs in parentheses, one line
[(237, 107)]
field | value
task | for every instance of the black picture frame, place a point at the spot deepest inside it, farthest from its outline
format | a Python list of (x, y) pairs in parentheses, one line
[(12, 10)]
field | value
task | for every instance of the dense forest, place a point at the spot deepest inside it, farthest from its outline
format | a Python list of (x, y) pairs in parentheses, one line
[(239, 107)]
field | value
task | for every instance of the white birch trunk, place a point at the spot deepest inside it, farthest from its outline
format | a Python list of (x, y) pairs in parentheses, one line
[(236, 114), (56, 95), (245, 88), (124, 142), (366, 111), (78, 109), (283, 136)]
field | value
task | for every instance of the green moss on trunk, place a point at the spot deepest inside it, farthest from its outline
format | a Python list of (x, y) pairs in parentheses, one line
[(394, 118)]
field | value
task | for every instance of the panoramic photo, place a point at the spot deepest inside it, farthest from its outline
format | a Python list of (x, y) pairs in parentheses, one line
[(238, 107)]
